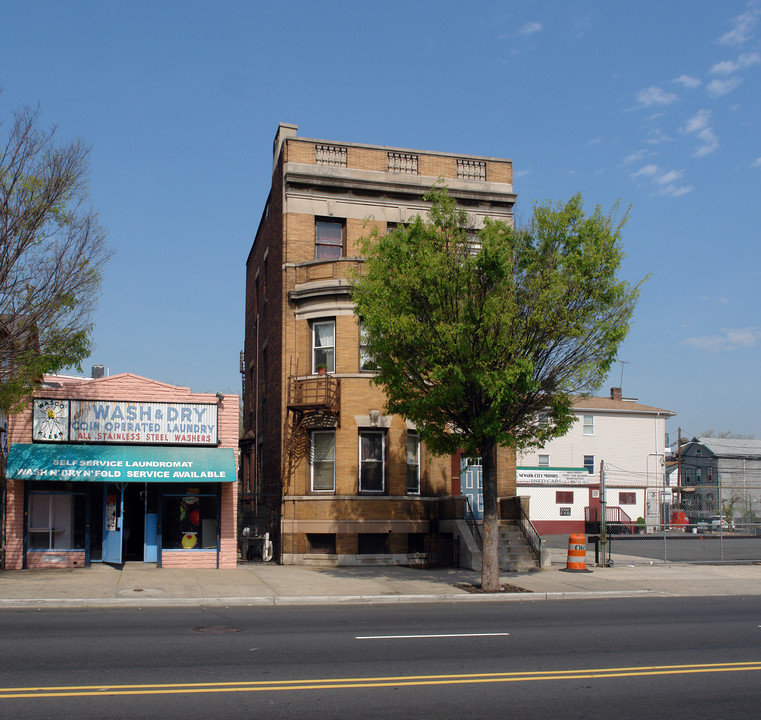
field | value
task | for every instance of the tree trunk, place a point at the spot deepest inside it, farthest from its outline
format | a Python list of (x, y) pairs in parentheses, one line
[(490, 556)]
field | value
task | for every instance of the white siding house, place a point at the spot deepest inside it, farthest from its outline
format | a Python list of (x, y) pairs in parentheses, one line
[(562, 479)]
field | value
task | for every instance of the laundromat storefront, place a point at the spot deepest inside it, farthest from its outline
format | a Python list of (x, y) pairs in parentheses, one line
[(117, 503)]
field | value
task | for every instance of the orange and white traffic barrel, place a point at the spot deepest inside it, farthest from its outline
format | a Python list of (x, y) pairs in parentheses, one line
[(577, 553)]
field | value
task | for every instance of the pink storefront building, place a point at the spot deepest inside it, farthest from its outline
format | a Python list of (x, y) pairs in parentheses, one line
[(121, 469)]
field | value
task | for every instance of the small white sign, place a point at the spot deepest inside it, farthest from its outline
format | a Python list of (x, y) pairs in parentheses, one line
[(51, 420)]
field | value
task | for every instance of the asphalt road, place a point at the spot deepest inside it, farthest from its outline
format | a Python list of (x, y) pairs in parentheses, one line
[(622, 658)]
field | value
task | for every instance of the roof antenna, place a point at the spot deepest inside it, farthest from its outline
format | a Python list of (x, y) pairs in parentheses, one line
[(621, 381)]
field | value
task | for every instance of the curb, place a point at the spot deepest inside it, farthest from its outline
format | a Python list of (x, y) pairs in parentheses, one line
[(147, 602)]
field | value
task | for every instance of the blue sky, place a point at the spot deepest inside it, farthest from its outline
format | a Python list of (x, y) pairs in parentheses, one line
[(655, 103)]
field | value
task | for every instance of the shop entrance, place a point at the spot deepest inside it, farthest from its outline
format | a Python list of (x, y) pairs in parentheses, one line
[(129, 523)]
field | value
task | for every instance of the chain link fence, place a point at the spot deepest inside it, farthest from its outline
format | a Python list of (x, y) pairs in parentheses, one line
[(718, 523)]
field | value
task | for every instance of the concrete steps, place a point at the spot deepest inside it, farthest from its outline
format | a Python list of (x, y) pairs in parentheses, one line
[(514, 551)]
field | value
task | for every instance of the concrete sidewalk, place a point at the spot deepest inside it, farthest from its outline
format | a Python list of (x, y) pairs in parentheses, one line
[(142, 585)]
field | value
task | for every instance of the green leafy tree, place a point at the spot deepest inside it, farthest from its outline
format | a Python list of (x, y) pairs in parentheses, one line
[(483, 338), (52, 250)]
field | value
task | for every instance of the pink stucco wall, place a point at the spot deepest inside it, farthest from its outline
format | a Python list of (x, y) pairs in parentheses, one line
[(126, 387)]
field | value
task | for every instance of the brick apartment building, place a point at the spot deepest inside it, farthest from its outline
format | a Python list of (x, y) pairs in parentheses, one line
[(323, 470)]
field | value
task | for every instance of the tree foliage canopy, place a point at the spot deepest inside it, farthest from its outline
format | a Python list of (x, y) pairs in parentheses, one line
[(52, 250), (487, 335)]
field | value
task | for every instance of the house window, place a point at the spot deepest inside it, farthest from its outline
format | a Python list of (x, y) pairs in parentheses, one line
[(366, 362), (413, 464), (687, 476), (589, 463), (544, 461), (589, 424), (328, 239), (698, 476), (56, 521), (323, 460), (324, 346), (371, 465), (627, 498), (563, 497), (709, 473)]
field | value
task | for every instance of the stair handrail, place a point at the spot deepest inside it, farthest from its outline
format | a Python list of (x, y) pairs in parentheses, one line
[(529, 532), (470, 518)]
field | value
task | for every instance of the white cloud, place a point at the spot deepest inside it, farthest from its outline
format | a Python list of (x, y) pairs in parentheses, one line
[(726, 339), (742, 28), (727, 67), (647, 171), (655, 96), (700, 126), (664, 180), (636, 156), (676, 190), (698, 122), (717, 88), (668, 177), (530, 28), (756, 162), (687, 81)]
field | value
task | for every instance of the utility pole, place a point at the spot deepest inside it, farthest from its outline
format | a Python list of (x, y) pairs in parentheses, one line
[(603, 514)]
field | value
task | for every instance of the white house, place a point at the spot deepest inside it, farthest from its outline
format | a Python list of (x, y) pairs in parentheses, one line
[(621, 437)]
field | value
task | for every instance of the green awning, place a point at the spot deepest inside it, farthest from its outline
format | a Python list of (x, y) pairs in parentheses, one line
[(120, 463)]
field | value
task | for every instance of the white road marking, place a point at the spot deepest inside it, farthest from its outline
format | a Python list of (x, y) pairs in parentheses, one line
[(449, 635)]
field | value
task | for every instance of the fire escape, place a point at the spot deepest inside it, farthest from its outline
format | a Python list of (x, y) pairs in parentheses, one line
[(313, 403)]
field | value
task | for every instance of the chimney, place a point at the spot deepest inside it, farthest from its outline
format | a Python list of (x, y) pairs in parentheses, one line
[(97, 371), (284, 130), (615, 394)]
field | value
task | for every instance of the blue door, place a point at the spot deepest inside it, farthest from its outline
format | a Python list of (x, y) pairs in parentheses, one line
[(150, 543), (113, 523), (471, 485)]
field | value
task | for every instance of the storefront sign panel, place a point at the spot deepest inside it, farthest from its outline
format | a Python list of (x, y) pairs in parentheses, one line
[(557, 476), (50, 420), (101, 463), (109, 421)]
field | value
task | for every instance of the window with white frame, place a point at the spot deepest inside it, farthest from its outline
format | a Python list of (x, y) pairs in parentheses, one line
[(589, 424), (371, 461), (544, 461), (413, 463), (589, 463), (698, 476), (329, 239), (56, 521), (323, 460), (709, 473), (324, 346)]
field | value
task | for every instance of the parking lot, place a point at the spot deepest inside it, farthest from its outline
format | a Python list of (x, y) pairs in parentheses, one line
[(691, 545)]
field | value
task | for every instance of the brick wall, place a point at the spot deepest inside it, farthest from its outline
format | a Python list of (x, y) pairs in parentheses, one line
[(303, 150)]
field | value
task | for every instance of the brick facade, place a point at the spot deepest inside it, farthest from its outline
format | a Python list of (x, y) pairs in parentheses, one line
[(360, 187)]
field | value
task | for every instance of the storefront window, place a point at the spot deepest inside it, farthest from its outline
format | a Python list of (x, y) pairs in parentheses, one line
[(189, 522), (57, 521)]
